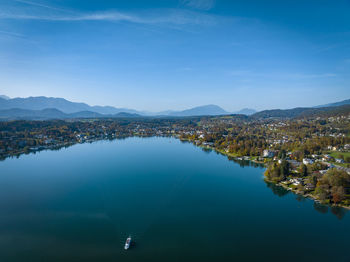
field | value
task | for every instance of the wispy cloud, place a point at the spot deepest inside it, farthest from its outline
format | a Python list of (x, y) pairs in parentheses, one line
[(12, 34), (6, 35), (327, 48), (39, 5), (295, 76), (45, 12), (199, 4), (300, 76)]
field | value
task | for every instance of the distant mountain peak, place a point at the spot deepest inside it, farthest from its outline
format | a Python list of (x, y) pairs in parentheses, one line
[(209, 110), (246, 111), (5, 97)]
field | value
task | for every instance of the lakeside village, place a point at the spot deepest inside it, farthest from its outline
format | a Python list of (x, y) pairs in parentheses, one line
[(309, 155)]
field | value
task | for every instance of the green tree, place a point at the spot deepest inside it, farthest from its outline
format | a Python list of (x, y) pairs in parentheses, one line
[(282, 154), (285, 167), (303, 170), (322, 191)]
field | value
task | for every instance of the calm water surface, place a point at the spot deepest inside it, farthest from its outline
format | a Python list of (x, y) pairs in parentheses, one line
[(178, 203)]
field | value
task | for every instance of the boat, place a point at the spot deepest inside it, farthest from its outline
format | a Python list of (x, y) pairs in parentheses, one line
[(127, 243)]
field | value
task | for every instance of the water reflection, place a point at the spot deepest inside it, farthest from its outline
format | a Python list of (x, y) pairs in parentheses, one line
[(245, 163), (206, 149), (277, 190), (280, 191), (339, 212), (58, 147), (300, 198), (323, 209)]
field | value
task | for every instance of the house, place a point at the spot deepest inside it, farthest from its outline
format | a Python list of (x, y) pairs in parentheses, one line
[(268, 153), (296, 181), (307, 161), (338, 160), (333, 148), (326, 157), (309, 186)]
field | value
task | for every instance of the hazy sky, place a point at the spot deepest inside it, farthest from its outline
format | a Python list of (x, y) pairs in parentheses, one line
[(157, 55)]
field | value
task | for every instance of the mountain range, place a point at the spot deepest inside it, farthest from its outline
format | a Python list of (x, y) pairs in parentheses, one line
[(53, 113), (68, 107), (301, 112), (43, 108), (305, 111), (341, 103)]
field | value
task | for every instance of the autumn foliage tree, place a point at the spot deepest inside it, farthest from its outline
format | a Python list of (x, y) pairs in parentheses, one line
[(332, 185)]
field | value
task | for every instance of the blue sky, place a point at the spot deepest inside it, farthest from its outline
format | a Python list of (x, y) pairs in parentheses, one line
[(176, 54)]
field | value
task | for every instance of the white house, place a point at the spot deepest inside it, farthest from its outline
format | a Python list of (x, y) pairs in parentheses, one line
[(326, 157), (268, 153), (296, 181), (307, 161)]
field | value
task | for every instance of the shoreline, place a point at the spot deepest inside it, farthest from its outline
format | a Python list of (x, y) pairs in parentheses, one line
[(309, 196), (228, 155)]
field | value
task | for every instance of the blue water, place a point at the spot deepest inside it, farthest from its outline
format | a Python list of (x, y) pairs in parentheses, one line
[(178, 202)]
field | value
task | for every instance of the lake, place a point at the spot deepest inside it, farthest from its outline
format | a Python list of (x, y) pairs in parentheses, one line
[(177, 201)]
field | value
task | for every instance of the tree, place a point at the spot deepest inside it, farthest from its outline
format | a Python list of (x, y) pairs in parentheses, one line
[(337, 178), (338, 194), (282, 154), (273, 173), (303, 170), (322, 191), (285, 166), (333, 184)]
